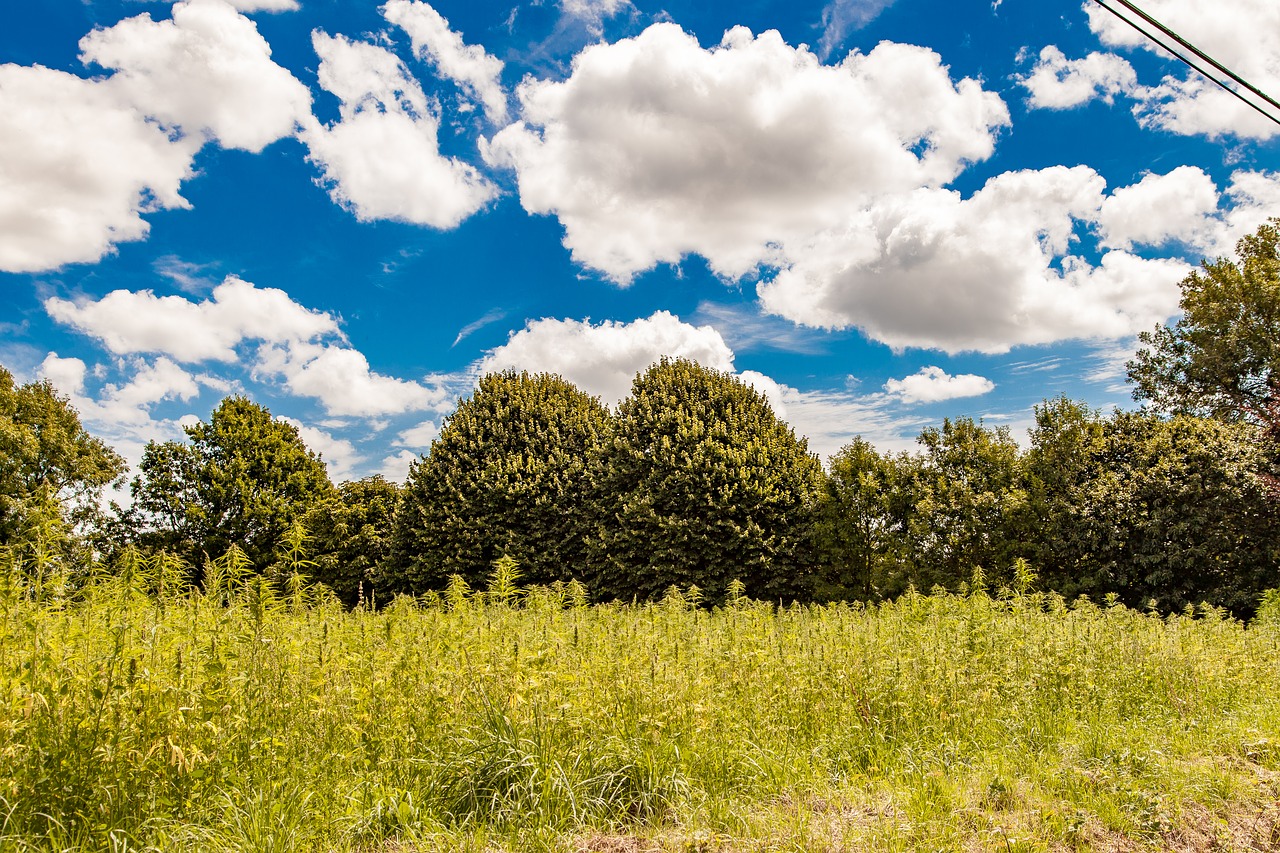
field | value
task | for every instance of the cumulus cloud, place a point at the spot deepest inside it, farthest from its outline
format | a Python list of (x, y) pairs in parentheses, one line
[(468, 65), (341, 379), (1179, 205), (66, 374), (396, 467), (418, 437), (934, 385), (932, 269), (302, 346), (1242, 35), (206, 70), (1059, 83), (128, 322), (604, 358), (382, 159), (655, 148), (265, 5), (78, 167)]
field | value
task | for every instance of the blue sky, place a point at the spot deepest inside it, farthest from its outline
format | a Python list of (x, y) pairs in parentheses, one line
[(878, 212)]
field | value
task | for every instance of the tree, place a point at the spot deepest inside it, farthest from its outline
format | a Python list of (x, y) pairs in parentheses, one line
[(351, 538), (970, 501), (509, 475), (244, 478), (1061, 469), (50, 466), (703, 484), (1222, 358), (863, 521), (1177, 514)]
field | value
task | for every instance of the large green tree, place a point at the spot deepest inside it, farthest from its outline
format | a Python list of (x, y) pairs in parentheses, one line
[(510, 474), (51, 468), (1177, 513), (863, 521), (243, 478), (351, 538), (1222, 357), (970, 502), (703, 484)]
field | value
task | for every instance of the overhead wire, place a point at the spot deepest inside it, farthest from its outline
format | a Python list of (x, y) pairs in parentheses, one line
[(1197, 52)]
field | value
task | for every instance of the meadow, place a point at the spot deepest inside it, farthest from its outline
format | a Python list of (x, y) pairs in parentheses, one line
[(139, 714)]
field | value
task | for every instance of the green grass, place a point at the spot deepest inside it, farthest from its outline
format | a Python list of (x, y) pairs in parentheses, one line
[(260, 721)]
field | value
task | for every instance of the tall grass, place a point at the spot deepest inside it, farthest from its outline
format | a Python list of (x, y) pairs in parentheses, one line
[(260, 716)]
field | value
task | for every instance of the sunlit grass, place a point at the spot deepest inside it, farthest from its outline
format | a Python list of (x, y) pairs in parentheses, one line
[(251, 719)]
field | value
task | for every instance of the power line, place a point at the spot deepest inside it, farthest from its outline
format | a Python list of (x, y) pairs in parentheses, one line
[(1190, 63)]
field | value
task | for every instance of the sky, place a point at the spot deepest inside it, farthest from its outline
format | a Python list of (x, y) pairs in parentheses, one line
[(879, 213)]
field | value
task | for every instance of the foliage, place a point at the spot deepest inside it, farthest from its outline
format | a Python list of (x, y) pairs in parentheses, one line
[(703, 484), (1222, 357), (509, 474), (351, 538), (226, 719), (864, 514), (243, 479), (970, 503), (1178, 514), (50, 466)]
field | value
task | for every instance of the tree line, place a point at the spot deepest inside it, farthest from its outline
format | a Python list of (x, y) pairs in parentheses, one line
[(694, 481)]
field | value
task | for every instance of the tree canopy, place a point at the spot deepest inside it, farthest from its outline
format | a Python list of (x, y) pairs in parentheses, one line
[(244, 478), (48, 462), (1221, 359), (702, 484), (509, 475)]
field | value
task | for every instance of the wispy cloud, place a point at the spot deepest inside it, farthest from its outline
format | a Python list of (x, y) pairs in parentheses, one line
[(841, 17), (744, 328), (466, 331)]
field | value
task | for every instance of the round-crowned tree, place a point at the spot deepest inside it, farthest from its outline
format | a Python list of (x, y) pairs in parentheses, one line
[(703, 484), (243, 479), (509, 475)]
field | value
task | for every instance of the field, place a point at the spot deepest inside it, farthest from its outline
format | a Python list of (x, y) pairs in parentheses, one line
[(262, 720)]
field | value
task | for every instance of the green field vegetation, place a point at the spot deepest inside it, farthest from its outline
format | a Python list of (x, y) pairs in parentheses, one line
[(255, 715)]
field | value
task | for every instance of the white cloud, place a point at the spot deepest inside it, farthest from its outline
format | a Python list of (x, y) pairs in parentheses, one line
[(340, 455), (934, 385), (340, 378), (418, 437), (265, 5), (468, 65), (593, 12), (129, 322), (930, 269), (66, 374), (383, 160), (396, 467), (1058, 83), (1243, 35), (604, 358), (1179, 205), (77, 169), (206, 70), (655, 148), (304, 347)]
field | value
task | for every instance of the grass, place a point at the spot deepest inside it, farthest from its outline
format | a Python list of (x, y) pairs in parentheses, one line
[(141, 716)]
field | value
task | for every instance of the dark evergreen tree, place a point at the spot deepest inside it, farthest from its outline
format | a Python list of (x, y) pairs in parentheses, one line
[(509, 474), (703, 484)]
